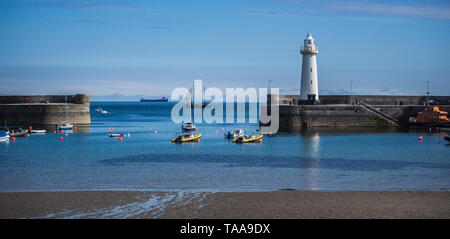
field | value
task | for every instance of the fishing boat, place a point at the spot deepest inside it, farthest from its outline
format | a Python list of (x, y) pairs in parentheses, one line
[(189, 127), (99, 110), (146, 99), (245, 139), (187, 138), (234, 134), (4, 136)]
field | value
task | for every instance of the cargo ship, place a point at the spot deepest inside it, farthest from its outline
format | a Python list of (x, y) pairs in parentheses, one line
[(146, 99)]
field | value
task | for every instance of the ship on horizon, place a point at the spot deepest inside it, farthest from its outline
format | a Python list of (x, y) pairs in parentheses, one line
[(147, 99)]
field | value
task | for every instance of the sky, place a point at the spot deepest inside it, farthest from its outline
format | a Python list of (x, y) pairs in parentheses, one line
[(121, 49)]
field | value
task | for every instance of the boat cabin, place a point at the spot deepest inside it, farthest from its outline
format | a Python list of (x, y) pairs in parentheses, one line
[(431, 114)]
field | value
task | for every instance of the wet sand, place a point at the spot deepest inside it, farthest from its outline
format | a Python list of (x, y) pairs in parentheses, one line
[(264, 205)]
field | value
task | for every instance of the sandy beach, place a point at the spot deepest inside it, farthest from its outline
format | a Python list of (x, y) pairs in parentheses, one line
[(232, 205)]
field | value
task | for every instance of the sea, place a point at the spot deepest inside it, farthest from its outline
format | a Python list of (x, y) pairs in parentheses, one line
[(323, 159)]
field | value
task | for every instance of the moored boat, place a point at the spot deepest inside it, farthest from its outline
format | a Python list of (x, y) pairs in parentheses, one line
[(19, 133), (245, 139), (447, 137), (38, 131), (234, 134), (66, 126), (4, 136), (430, 117), (189, 127), (187, 138)]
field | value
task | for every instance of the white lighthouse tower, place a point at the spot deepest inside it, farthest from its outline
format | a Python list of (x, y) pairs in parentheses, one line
[(309, 89)]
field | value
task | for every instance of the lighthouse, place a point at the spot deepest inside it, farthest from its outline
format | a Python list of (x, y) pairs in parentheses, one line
[(309, 89)]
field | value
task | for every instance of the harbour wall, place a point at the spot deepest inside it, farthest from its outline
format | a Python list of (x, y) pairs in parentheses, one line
[(352, 111), (44, 110)]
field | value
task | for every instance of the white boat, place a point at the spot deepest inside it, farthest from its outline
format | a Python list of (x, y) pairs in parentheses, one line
[(189, 127), (66, 126), (236, 133), (99, 110), (4, 136), (38, 131)]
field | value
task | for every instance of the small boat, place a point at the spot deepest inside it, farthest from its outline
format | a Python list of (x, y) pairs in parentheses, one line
[(447, 137), (99, 110), (187, 138), (189, 127), (66, 126), (4, 136), (234, 134), (115, 135), (38, 131), (245, 139), (19, 133)]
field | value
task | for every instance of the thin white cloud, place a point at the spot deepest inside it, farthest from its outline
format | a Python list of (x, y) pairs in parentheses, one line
[(352, 8), (434, 12)]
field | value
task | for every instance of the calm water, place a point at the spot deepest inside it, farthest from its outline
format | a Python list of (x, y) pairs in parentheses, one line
[(315, 160)]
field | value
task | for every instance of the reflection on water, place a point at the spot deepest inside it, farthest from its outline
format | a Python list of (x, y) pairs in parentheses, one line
[(310, 146)]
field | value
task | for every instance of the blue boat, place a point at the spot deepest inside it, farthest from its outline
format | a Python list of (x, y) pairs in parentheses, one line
[(4, 136), (66, 126)]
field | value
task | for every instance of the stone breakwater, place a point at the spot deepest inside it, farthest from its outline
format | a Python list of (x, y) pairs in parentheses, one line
[(353, 111), (44, 110)]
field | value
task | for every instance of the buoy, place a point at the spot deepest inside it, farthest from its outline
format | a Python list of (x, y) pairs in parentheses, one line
[(67, 134), (13, 139), (61, 138), (156, 131), (260, 140), (120, 139), (198, 140), (30, 128), (62, 131), (420, 138), (217, 132), (75, 128)]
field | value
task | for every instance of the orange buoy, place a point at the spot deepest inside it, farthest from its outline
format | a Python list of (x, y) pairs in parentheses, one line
[(75, 128), (61, 138), (13, 139), (30, 128), (420, 138), (62, 131), (120, 139), (198, 140)]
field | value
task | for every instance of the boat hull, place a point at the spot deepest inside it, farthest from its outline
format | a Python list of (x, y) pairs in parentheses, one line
[(195, 138), (253, 139)]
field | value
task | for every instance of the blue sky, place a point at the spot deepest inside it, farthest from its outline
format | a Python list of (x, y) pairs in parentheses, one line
[(151, 47)]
